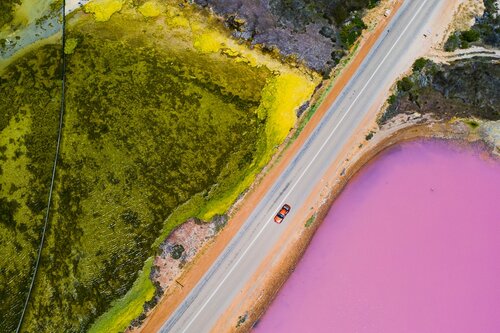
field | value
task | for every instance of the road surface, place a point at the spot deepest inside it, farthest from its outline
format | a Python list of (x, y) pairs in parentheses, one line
[(258, 235)]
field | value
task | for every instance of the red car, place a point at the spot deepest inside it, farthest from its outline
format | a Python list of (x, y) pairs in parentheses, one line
[(282, 213)]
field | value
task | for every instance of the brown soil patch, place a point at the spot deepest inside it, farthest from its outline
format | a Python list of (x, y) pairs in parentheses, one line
[(192, 235)]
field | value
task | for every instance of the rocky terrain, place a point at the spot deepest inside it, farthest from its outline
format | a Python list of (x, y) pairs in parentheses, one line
[(178, 250), (459, 84), (442, 91), (315, 31)]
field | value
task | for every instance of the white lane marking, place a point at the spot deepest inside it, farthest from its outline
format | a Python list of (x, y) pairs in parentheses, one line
[(303, 172)]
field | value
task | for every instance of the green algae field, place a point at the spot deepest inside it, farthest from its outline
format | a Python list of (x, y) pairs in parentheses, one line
[(165, 118), (30, 103)]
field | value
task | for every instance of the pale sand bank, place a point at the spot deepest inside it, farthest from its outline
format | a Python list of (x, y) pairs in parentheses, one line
[(72, 5)]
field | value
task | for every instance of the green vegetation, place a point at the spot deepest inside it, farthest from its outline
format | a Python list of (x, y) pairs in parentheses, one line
[(405, 84), (351, 30), (241, 320), (143, 133), (489, 24), (453, 43), (461, 40), (442, 91), (470, 36), (129, 307), (29, 111), (310, 221), (392, 99), (154, 132), (471, 123), (419, 64), (70, 45), (6, 11), (177, 251)]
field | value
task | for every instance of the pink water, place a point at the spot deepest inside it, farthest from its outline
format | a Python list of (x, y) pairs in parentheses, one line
[(411, 245)]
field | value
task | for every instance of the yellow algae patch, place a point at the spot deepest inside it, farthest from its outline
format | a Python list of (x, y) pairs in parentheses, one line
[(178, 22), (249, 59), (14, 168), (175, 18), (124, 310), (281, 97), (209, 42), (70, 45), (150, 9), (103, 9), (231, 52)]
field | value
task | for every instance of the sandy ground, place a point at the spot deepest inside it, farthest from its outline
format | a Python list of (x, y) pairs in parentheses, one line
[(465, 14), (474, 51), (72, 5)]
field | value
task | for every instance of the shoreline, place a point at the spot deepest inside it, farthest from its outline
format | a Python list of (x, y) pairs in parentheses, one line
[(267, 285)]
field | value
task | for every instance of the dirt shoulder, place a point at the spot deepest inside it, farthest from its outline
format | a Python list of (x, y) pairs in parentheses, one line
[(194, 270)]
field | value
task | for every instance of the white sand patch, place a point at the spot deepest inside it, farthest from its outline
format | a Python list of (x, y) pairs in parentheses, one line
[(72, 5)]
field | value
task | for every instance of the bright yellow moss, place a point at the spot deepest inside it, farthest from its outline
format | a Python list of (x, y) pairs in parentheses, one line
[(175, 18), (103, 9), (209, 42), (178, 22), (124, 310), (70, 46), (252, 61), (231, 52), (281, 97), (150, 9), (198, 26)]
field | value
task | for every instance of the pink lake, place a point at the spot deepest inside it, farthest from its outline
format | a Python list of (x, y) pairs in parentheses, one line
[(411, 245)]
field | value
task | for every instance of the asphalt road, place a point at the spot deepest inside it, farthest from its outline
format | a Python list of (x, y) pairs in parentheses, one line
[(381, 67)]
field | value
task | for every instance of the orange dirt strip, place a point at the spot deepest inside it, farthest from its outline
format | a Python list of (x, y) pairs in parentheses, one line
[(196, 269)]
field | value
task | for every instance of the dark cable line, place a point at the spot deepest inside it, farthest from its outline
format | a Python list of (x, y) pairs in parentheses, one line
[(54, 166)]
